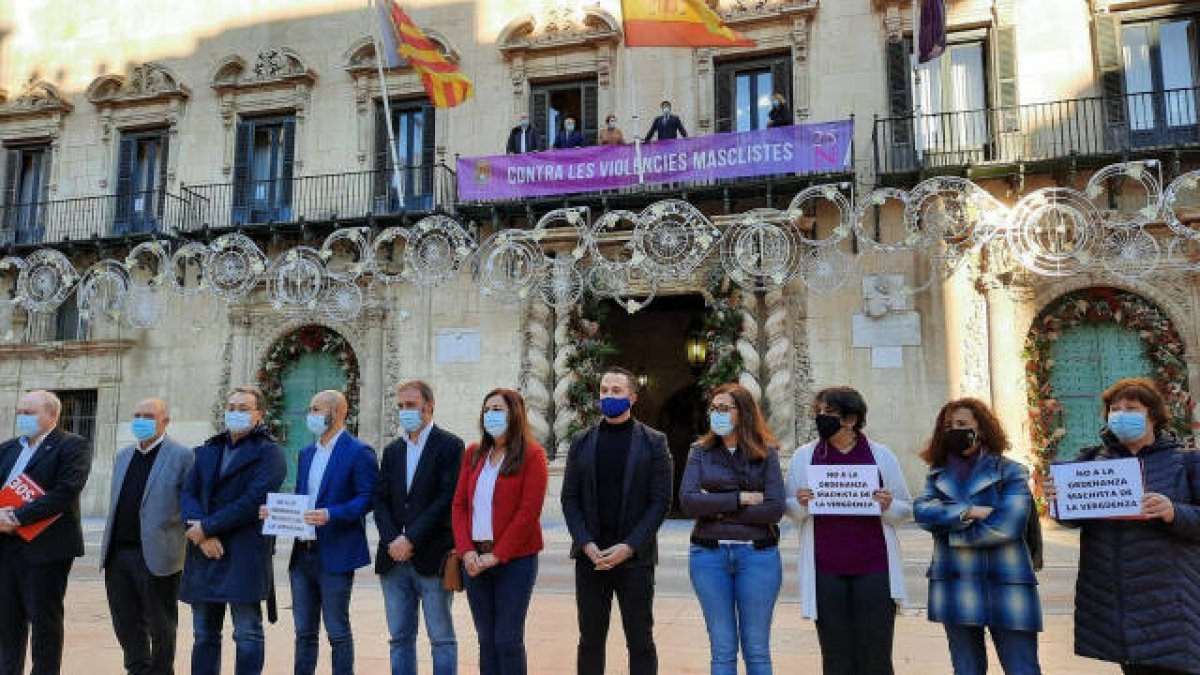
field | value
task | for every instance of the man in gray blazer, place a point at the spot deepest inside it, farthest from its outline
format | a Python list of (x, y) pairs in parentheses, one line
[(143, 549)]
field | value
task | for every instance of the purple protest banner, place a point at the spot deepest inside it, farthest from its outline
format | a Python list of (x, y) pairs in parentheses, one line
[(804, 148)]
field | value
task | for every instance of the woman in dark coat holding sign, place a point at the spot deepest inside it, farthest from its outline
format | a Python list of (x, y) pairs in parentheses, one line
[(977, 504), (1137, 597), (850, 565)]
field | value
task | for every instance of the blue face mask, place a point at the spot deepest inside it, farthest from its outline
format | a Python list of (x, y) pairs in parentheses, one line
[(317, 423), (524, 124), (237, 422), (410, 420), (143, 428), (495, 423), (611, 406), (721, 423), (569, 127), (27, 425), (1127, 425)]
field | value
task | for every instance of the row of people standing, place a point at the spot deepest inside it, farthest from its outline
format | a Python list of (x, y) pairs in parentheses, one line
[(526, 137), (432, 498)]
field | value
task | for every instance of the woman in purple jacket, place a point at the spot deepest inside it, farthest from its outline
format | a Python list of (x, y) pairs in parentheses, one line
[(733, 487)]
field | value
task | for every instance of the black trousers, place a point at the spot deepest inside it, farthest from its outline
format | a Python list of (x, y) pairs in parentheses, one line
[(145, 612), (31, 597), (594, 590), (856, 619)]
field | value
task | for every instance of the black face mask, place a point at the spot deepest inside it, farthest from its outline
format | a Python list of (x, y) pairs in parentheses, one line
[(828, 425), (958, 441)]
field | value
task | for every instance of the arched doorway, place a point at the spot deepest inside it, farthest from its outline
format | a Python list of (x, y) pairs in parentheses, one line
[(1080, 344), (304, 361)]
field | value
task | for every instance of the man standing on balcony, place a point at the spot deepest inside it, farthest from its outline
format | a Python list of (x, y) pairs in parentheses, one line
[(523, 137), (142, 551), (668, 127), (33, 574)]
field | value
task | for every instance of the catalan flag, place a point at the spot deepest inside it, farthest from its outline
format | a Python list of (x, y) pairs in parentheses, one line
[(677, 23), (446, 85)]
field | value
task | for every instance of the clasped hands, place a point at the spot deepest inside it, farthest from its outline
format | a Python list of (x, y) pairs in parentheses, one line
[(8, 520), (608, 558), (210, 546), (476, 564)]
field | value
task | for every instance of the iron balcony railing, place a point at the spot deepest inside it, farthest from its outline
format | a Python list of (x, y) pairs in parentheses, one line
[(1084, 127), (100, 217), (328, 197)]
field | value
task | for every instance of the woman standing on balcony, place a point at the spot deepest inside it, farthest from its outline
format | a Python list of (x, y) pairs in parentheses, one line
[(496, 513)]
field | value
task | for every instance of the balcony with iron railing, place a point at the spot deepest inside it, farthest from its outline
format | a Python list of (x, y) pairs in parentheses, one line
[(1136, 123), (337, 197)]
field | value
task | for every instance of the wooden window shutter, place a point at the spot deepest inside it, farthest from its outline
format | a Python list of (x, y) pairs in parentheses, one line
[(383, 160), (241, 172), (540, 117), (781, 79), (289, 162), (126, 153), (724, 98), (899, 88), (590, 122), (1007, 95), (163, 142), (428, 147), (12, 168), (1110, 63)]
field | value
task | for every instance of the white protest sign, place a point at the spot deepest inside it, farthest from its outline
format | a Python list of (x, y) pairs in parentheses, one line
[(1106, 489), (285, 517), (843, 490)]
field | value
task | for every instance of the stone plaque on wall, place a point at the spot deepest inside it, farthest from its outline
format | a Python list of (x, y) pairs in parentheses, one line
[(899, 329)]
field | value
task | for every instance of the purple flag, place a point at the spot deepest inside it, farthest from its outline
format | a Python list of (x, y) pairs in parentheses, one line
[(932, 31)]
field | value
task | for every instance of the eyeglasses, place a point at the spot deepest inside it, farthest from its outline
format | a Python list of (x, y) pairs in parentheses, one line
[(722, 408)]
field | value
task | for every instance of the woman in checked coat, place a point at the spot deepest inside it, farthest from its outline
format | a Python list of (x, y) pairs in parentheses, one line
[(977, 504)]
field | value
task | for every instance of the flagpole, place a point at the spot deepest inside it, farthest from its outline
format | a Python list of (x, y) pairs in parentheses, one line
[(631, 83), (397, 183)]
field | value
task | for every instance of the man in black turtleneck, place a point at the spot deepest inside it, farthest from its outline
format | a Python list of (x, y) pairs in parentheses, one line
[(616, 493)]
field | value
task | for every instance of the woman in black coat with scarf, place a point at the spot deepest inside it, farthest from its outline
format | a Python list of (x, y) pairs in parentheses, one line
[(1137, 597)]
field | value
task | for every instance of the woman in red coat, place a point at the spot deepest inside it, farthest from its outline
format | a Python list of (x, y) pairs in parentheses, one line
[(497, 531)]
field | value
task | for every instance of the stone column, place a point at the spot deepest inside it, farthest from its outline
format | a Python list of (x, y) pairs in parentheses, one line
[(1006, 365)]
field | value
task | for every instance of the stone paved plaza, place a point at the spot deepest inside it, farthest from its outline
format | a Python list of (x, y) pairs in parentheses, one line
[(920, 646)]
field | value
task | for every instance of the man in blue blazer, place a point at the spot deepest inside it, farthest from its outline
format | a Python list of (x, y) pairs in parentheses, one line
[(228, 562), (570, 136), (338, 473), (667, 127), (142, 552), (412, 511)]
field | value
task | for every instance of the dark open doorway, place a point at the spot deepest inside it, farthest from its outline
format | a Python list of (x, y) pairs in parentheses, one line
[(652, 343)]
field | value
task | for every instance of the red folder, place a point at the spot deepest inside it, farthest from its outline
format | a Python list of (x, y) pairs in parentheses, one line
[(20, 492)]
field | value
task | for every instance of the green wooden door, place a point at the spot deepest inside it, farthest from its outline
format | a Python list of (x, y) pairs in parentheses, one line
[(1087, 359), (301, 379)]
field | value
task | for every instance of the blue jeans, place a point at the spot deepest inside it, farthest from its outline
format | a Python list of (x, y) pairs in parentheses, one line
[(1017, 650), (403, 589), (499, 599), (207, 620), (316, 594), (737, 586)]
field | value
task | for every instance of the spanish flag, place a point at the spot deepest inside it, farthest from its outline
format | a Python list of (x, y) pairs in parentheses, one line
[(677, 23), (446, 85)]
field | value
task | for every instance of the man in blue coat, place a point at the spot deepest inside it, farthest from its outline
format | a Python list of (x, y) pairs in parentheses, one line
[(338, 472), (228, 560), (569, 137)]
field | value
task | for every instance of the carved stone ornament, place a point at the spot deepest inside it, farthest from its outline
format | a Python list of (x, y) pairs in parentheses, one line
[(37, 97), (147, 83), (559, 26), (359, 59), (739, 11), (272, 66)]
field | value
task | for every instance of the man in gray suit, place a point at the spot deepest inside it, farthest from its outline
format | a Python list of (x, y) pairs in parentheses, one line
[(143, 548)]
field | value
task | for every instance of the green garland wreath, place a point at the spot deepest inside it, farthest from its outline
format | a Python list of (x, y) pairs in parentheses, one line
[(722, 326), (1164, 349), (307, 339), (594, 350)]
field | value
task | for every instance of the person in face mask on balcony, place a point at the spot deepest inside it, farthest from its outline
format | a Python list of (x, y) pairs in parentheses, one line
[(1135, 597), (570, 136), (850, 565), (977, 505), (611, 133)]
